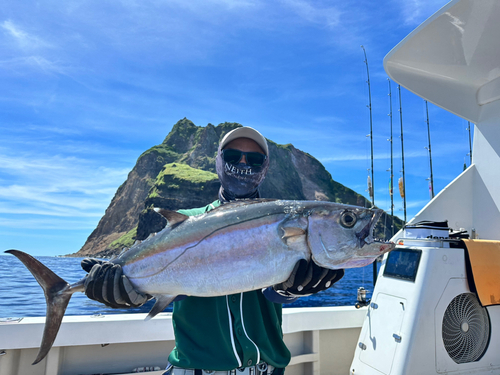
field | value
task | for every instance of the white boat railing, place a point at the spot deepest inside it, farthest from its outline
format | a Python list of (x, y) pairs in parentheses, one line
[(321, 340)]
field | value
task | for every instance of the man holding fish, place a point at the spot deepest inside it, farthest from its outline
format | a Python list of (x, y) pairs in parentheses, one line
[(227, 267), (224, 333)]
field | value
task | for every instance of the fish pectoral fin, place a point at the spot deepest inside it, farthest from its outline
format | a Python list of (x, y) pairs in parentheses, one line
[(292, 232), (293, 237), (161, 304), (173, 217)]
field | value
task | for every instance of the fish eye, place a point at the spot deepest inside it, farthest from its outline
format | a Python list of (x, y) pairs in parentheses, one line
[(348, 219)]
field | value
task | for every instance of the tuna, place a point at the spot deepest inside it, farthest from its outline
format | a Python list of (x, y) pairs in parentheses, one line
[(237, 247)]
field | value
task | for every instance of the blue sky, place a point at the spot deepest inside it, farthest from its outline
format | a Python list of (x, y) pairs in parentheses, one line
[(87, 86)]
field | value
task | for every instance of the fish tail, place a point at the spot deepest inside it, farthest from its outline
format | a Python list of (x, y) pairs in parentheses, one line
[(57, 294)]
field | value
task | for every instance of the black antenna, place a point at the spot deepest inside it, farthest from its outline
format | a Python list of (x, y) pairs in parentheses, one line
[(370, 188), (391, 183), (402, 180), (431, 187)]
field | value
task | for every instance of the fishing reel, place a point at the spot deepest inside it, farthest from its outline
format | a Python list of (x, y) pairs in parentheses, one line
[(362, 301)]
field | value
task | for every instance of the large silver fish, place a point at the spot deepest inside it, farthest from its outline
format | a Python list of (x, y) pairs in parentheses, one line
[(237, 247)]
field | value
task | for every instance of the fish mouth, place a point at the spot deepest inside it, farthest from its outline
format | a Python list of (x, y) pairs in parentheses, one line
[(365, 234)]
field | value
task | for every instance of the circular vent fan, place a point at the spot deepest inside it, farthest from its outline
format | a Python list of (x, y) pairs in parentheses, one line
[(466, 329)]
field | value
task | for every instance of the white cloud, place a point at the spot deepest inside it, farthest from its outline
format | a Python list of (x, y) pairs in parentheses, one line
[(44, 64), (310, 12), (65, 131), (23, 39), (415, 12), (57, 186), (27, 221), (36, 64), (54, 201)]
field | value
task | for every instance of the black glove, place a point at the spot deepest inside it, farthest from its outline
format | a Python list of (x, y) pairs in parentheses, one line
[(107, 284), (308, 278)]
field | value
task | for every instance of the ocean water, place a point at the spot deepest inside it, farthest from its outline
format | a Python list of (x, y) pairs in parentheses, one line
[(21, 296)]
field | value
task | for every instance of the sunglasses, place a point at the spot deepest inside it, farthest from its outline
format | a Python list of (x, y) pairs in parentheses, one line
[(232, 156)]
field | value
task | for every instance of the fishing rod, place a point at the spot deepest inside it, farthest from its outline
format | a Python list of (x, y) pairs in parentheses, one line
[(470, 141), (431, 187), (391, 181), (370, 182), (401, 181)]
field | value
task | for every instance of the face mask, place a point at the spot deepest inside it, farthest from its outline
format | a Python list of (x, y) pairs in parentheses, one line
[(240, 180)]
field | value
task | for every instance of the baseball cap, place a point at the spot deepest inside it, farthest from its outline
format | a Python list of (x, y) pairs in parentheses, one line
[(245, 132)]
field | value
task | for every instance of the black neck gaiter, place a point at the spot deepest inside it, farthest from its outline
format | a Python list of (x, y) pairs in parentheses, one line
[(225, 196), (239, 181)]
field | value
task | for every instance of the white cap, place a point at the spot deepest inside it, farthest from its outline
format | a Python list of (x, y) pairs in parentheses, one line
[(245, 132)]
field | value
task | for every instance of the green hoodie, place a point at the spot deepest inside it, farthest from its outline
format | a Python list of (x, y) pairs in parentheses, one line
[(227, 332)]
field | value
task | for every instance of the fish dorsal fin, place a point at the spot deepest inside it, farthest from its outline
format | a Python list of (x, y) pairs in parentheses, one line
[(292, 232), (173, 217), (161, 303)]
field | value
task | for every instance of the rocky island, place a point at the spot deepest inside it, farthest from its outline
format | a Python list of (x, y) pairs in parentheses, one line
[(180, 173)]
